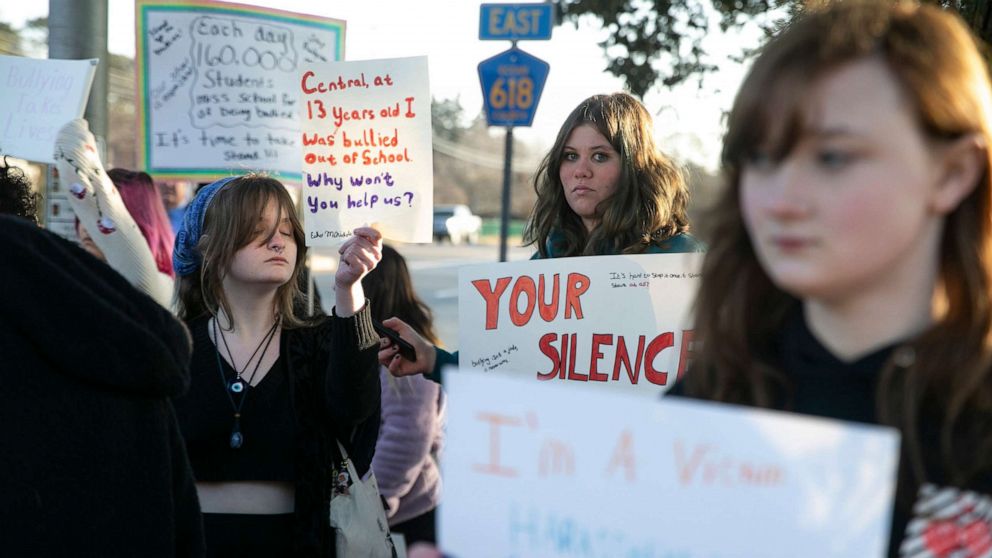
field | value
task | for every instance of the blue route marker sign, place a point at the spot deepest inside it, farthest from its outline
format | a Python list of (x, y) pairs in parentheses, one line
[(512, 82)]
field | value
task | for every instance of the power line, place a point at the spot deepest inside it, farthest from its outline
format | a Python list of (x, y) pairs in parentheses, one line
[(483, 159)]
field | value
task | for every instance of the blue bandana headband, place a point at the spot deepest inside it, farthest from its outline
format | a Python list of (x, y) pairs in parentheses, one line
[(185, 258)]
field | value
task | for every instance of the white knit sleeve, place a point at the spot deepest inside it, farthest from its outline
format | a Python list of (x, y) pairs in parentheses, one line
[(100, 209)]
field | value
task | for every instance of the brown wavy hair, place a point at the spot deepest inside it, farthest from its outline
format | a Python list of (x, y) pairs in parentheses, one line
[(229, 225), (650, 202), (16, 195), (739, 311)]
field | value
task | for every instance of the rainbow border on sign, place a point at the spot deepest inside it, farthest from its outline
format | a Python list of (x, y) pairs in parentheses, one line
[(141, 10)]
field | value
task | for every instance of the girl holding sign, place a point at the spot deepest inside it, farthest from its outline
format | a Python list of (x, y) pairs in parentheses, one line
[(850, 270), (604, 189), (270, 391)]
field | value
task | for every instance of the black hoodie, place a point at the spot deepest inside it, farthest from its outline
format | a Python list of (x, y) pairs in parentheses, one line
[(91, 460)]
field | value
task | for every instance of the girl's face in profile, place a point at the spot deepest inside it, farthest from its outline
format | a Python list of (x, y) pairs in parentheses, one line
[(850, 209)]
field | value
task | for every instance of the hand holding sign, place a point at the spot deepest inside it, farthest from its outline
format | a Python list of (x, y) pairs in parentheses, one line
[(359, 255)]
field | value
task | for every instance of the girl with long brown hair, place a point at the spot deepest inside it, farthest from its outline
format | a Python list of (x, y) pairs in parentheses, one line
[(270, 391), (850, 265), (603, 189)]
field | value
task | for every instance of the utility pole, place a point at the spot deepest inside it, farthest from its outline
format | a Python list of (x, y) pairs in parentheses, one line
[(77, 29)]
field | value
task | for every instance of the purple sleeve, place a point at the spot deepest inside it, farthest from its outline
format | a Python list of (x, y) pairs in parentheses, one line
[(408, 432)]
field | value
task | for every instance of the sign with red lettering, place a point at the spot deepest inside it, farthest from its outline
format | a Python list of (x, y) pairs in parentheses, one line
[(555, 470), (367, 157), (615, 321)]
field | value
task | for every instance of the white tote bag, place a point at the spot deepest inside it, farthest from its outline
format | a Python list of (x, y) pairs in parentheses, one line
[(357, 515)]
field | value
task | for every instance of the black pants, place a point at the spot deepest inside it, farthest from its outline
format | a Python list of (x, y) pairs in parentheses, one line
[(422, 528), (242, 535)]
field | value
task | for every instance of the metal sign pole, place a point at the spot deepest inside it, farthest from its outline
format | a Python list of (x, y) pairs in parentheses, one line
[(504, 224), (512, 81)]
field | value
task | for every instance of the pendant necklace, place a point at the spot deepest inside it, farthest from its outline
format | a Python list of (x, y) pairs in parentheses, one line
[(238, 386)]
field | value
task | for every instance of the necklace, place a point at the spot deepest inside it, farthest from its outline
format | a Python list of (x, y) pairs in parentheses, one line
[(237, 385), (237, 438)]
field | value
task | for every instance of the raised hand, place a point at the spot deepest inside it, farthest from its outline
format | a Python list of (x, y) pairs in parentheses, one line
[(78, 161), (359, 255)]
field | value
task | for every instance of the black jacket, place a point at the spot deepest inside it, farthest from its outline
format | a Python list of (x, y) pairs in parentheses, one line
[(332, 365), (91, 460)]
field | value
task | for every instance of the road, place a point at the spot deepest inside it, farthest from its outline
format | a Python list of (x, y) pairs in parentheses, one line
[(434, 268)]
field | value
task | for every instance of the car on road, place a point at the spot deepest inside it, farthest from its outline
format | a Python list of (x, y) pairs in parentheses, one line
[(457, 223)]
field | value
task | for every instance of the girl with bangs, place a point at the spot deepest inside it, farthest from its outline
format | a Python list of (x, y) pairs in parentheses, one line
[(849, 272), (603, 189), (271, 391)]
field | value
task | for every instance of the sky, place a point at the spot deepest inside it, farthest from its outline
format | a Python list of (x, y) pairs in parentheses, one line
[(688, 120)]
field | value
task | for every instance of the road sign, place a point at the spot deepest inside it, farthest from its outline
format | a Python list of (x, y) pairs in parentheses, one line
[(515, 22), (512, 82)]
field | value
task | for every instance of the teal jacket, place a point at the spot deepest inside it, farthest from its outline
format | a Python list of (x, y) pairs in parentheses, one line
[(677, 244)]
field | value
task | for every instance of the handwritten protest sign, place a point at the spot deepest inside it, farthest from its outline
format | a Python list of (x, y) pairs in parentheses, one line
[(561, 470), (217, 86), (367, 149), (616, 321), (37, 97)]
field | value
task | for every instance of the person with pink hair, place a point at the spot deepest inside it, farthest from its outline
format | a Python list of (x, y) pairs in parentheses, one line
[(121, 219), (143, 201)]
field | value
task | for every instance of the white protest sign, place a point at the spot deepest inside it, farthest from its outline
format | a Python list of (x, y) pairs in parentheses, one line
[(217, 86), (37, 97), (617, 321), (367, 154), (562, 470)]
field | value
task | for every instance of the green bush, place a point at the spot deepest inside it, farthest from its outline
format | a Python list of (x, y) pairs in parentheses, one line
[(490, 227)]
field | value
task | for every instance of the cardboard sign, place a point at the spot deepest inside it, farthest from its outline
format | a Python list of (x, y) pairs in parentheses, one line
[(37, 97), (367, 154), (217, 86), (614, 321), (561, 470)]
